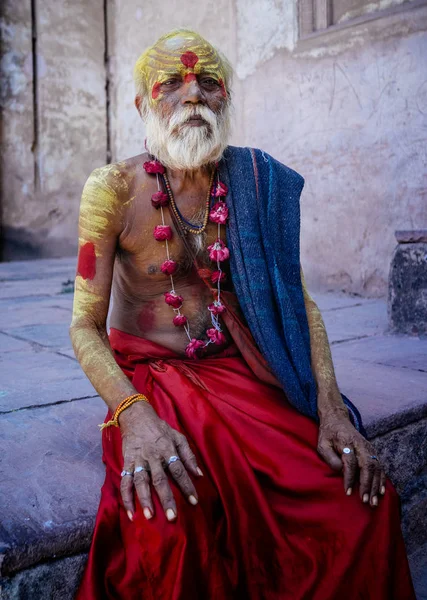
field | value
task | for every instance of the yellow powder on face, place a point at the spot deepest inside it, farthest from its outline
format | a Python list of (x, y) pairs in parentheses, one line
[(183, 53)]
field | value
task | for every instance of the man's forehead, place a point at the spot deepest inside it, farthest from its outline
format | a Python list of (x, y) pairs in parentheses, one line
[(183, 52)]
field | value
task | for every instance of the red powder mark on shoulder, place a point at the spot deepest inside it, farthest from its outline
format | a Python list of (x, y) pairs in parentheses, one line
[(189, 59), (86, 265), (156, 90), (223, 90), (190, 77), (147, 317)]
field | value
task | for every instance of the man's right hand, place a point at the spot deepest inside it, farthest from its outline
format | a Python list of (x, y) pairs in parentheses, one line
[(149, 442)]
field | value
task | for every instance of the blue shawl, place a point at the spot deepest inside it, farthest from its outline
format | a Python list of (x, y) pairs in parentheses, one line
[(263, 235)]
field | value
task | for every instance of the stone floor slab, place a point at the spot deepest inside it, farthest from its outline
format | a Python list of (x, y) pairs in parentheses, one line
[(391, 350), (332, 301), (10, 344), (381, 391), (30, 269), (32, 287), (53, 335), (35, 311), (37, 378), (354, 322), (51, 499)]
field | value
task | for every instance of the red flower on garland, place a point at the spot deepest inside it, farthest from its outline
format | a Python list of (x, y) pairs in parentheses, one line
[(219, 213), (179, 320), (221, 189), (217, 337), (218, 251), (162, 232), (153, 167), (218, 276), (173, 299), (216, 308), (193, 347), (169, 267), (159, 199)]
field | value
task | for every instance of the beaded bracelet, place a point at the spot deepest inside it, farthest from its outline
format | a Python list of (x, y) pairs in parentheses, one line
[(124, 404)]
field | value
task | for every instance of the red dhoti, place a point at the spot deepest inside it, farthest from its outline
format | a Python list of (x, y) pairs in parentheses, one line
[(273, 521)]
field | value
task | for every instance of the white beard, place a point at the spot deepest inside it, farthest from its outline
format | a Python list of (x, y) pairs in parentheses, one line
[(180, 146)]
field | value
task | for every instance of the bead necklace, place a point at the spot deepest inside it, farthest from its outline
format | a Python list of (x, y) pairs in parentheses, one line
[(218, 253), (186, 225)]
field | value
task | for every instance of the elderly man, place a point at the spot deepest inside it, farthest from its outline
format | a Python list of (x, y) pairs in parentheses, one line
[(233, 469)]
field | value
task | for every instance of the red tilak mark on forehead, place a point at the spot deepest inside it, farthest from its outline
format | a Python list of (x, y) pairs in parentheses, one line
[(86, 266), (223, 90), (189, 59), (156, 90), (190, 77)]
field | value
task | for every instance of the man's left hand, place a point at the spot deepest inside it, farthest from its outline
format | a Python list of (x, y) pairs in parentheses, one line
[(344, 448)]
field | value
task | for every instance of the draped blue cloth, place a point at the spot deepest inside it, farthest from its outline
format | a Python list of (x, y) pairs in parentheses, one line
[(263, 235)]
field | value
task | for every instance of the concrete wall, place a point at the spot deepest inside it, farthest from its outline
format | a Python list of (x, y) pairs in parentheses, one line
[(50, 151), (346, 108)]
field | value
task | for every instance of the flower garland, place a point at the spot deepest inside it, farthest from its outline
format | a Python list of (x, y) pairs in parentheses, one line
[(218, 253)]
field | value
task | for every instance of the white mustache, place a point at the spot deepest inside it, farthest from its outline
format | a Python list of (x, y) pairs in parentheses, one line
[(182, 117)]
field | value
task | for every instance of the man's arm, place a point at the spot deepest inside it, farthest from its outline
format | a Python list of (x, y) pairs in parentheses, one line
[(329, 398), (99, 228), (336, 431)]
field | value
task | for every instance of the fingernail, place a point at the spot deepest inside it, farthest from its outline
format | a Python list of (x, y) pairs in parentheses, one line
[(147, 513), (349, 492), (365, 497), (130, 515), (170, 514), (199, 472), (375, 501), (382, 490), (193, 500)]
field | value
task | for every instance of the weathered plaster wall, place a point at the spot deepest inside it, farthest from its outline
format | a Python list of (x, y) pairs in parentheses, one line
[(349, 111), (40, 212), (16, 103)]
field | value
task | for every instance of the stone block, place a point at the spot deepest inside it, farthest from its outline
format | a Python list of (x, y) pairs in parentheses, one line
[(52, 335), (35, 310), (363, 319), (407, 289), (10, 344), (37, 378), (407, 352), (55, 580), (387, 397), (49, 502)]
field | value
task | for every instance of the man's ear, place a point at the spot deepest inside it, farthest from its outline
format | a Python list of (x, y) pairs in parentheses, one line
[(138, 104)]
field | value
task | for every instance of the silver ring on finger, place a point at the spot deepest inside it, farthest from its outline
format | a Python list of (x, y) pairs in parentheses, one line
[(347, 450), (140, 469), (124, 472), (172, 459)]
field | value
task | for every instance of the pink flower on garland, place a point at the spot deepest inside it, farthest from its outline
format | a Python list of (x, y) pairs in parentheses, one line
[(193, 347), (218, 276), (169, 267), (153, 166), (216, 308), (159, 199), (221, 189), (179, 320), (218, 251), (173, 299), (217, 337), (162, 232), (219, 213)]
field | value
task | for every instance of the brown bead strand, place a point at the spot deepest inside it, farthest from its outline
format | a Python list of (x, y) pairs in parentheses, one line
[(176, 213)]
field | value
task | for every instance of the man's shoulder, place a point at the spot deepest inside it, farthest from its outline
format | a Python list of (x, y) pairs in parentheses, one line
[(117, 176)]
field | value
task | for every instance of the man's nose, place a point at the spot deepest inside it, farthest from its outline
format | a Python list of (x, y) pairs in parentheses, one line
[(191, 92)]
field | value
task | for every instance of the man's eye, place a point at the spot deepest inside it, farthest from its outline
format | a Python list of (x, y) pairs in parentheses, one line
[(170, 81), (210, 81)]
